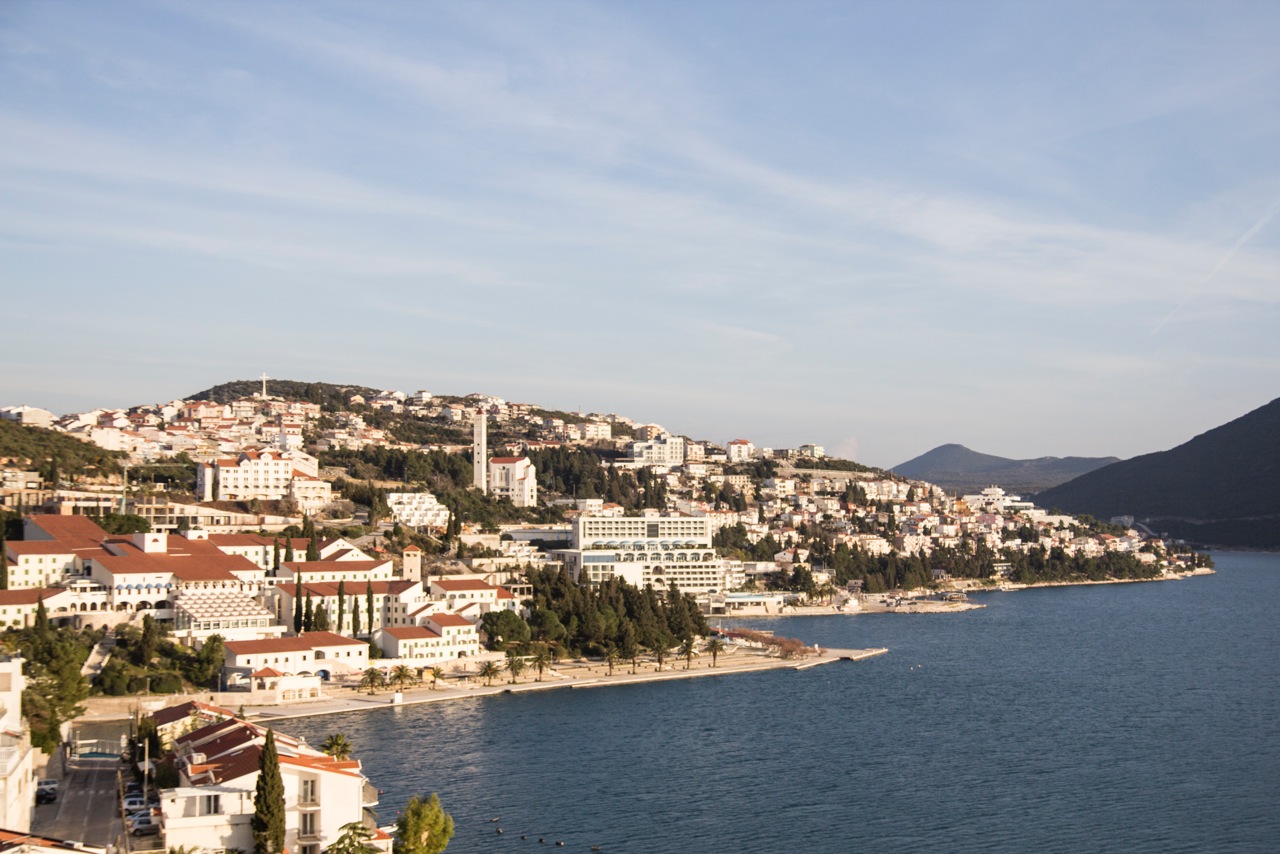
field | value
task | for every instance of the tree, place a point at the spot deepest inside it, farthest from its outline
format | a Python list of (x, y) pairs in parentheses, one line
[(297, 607), (489, 671), (403, 674), (146, 647), (308, 615), (268, 802), (658, 649), (373, 679), (288, 550), (342, 604), (275, 556), (436, 673), (337, 746), (612, 657), (715, 646), (423, 828), (541, 659), (368, 605), (688, 647), (354, 840), (320, 619), (355, 617), (313, 547), (515, 664)]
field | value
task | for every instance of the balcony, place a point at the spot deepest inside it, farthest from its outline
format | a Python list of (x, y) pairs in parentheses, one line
[(370, 795)]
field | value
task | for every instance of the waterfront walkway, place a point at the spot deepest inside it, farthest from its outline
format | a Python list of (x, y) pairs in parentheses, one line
[(574, 674)]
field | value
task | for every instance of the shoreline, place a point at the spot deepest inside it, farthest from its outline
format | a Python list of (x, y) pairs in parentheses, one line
[(571, 676)]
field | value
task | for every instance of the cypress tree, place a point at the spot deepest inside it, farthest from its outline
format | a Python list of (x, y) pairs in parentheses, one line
[(320, 620), (313, 548), (355, 617), (368, 603), (275, 555), (297, 608), (308, 615), (268, 802), (288, 550), (342, 603)]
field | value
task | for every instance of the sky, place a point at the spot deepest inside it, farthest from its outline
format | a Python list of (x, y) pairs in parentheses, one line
[(1030, 228)]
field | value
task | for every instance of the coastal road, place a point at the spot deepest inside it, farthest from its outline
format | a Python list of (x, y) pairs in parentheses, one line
[(87, 809)]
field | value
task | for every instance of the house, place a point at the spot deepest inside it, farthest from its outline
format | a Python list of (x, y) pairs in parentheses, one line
[(308, 654), (17, 770), (515, 478), (212, 807)]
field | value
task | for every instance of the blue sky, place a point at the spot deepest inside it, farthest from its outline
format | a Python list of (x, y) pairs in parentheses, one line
[(1034, 229)]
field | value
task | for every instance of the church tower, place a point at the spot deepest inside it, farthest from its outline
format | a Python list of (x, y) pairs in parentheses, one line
[(480, 452)]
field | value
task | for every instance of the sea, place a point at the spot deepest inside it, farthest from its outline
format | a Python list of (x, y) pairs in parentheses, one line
[(1125, 717)]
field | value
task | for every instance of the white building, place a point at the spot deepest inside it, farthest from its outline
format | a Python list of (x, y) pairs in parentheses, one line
[(740, 451), (514, 478), (657, 550), (263, 474), (17, 760), (480, 452), (664, 451), (417, 509), (212, 807)]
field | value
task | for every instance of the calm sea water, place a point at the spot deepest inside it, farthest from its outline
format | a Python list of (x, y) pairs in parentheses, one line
[(1132, 717)]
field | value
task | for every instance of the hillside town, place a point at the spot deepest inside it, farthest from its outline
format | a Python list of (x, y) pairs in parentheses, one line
[(295, 542)]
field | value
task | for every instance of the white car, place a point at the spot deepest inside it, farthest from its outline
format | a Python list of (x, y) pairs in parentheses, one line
[(133, 803), (50, 784)]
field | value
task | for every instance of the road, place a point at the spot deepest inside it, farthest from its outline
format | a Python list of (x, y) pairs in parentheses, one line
[(87, 809)]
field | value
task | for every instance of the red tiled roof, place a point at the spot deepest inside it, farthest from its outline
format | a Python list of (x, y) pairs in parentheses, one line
[(29, 596), (411, 632), (69, 527), (305, 642), (461, 584), (446, 619)]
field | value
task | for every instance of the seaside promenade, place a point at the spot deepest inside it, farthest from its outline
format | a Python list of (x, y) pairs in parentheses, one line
[(573, 674)]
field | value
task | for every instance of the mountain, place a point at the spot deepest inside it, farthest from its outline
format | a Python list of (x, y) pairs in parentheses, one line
[(1220, 488), (958, 468), (326, 394)]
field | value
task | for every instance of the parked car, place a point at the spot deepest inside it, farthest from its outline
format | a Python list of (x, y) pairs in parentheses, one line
[(148, 829), (48, 783), (46, 796), (133, 803)]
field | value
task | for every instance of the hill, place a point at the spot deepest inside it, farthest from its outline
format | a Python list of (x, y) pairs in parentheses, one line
[(1220, 488), (328, 395), (55, 453), (958, 468)]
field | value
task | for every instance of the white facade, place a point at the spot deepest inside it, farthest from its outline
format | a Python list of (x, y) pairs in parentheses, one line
[(17, 759), (417, 509), (740, 451), (657, 550), (514, 478), (665, 451), (480, 452)]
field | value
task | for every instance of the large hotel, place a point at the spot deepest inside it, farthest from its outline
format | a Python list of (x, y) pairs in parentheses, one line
[(655, 550)]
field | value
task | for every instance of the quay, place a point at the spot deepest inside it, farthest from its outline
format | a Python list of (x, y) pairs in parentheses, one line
[(575, 674)]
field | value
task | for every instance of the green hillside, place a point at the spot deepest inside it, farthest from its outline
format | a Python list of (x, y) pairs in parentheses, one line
[(329, 395), (48, 451), (1220, 488)]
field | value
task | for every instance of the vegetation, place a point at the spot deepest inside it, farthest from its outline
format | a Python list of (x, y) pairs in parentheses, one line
[(268, 802), (423, 827), (53, 658), (337, 746), (328, 395), (57, 456), (355, 839), (147, 660)]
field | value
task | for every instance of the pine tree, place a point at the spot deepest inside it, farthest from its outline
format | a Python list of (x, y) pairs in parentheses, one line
[(423, 828), (320, 620), (313, 548), (268, 802)]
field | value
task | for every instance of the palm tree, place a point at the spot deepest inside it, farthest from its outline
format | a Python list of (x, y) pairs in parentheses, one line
[(515, 664), (437, 673), (488, 671), (612, 657), (658, 649), (688, 647), (337, 746), (542, 659), (403, 674), (373, 679), (715, 646)]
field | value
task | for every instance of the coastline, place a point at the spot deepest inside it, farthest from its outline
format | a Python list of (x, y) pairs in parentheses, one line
[(573, 675)]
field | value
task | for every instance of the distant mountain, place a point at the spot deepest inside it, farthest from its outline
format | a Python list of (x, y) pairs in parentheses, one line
[(1220, 488), (958, 468)]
